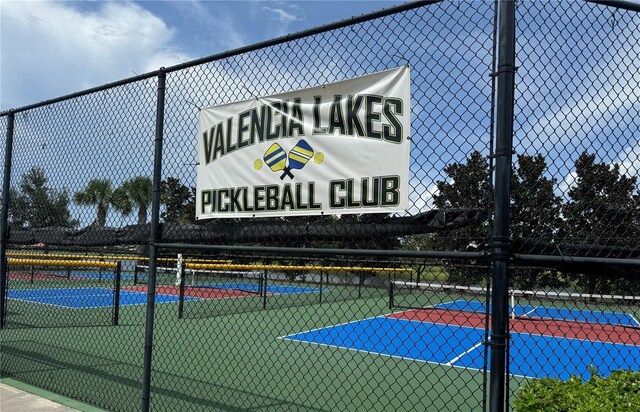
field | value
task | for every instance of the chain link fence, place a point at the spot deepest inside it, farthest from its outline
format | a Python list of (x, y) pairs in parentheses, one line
[(115, 295)]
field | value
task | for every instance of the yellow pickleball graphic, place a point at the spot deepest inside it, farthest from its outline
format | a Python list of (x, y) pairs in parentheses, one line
[(257, 164), (318, 158)]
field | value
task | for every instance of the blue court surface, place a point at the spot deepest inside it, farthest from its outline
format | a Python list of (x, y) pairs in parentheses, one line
[(84, 298), (531, 356), (93, 275)]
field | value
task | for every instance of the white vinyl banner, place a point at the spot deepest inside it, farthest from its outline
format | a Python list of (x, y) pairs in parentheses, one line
[(334, 149)]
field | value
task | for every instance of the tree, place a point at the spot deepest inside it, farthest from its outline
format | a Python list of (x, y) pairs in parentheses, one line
[(36, 205), (179, 201), (98, 192), (602, 212), (535, 213), (468, 186), (602, 208), (137, 193)]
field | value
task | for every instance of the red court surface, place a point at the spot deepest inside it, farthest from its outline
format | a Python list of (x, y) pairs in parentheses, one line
[(36, 276), (544, 327), (205, 293)]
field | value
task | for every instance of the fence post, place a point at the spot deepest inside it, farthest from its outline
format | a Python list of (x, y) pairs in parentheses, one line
[(500, 241), (116, 293), (264, 288), (153, 247), (4, 220)]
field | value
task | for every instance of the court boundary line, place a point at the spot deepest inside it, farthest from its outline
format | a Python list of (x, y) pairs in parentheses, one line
[(397, 357), (100, 307), (520, 333), (620, 314), (351, 321), (449, 364), (457, 358)]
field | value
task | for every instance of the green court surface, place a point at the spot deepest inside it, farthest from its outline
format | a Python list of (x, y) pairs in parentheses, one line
[(233, 362)]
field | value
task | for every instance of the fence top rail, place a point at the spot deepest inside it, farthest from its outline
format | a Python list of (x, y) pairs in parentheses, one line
[(307, 251), (62, 263), (295, 267), (230, 53)]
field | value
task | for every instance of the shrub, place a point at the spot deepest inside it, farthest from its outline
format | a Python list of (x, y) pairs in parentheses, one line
[(619, 392)]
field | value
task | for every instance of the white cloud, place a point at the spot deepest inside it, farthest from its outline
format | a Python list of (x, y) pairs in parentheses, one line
[(56, 48), (421, 197), (281, 14), (630, 161), (201, 14), (279, 17), (569, 181), (605, 92)]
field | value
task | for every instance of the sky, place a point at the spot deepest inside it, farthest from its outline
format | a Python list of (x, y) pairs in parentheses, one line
[(49, 49), (577, 87)]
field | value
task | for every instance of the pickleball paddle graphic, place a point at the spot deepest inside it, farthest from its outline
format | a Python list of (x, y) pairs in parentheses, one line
[(276, 158), (299, 156)]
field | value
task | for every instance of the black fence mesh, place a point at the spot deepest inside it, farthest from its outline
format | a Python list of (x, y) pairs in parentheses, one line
[(371, 312)]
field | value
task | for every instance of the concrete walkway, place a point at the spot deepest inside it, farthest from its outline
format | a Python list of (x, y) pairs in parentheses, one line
[(15, 400)]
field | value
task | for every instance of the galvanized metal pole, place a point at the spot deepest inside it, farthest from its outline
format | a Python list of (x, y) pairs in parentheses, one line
[(500, 241), (153, 248), (4, 219)]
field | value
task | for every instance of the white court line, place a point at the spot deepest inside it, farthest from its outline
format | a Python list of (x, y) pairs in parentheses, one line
[(330, 326), (360, 320), (634, 319), (457, 358), (396, 357)]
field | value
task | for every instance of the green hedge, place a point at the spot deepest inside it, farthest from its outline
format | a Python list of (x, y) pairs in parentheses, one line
[(618, 392)]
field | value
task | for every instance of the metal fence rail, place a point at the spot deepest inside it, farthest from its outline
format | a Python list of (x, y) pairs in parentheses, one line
[(517, 258)]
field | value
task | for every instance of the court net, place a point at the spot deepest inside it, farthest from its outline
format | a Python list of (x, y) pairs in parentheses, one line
[(60, 293), (531, 305), (247, 281), (211, 289)]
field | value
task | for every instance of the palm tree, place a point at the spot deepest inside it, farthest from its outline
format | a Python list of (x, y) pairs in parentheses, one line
[(134, 193), (98, 192)]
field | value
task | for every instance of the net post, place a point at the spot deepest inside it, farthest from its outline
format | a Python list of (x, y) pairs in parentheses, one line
[(181, 293), (33, 273), (391, 291), (4, 219), (179, 271), (116, 294), (360, 282), (513, 304), (411, 282), (320, 297), (135, 273)]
